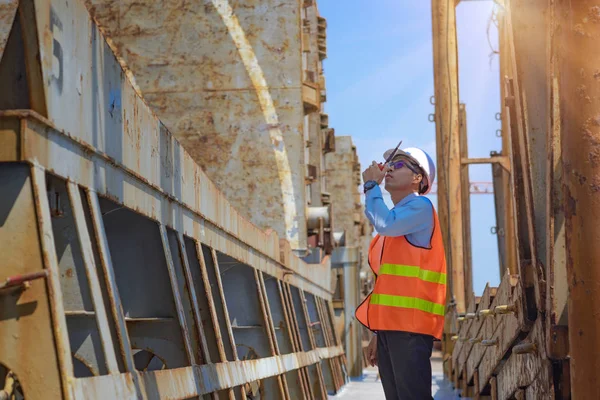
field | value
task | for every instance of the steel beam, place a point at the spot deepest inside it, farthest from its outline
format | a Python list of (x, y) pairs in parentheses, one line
[(505, 180), (74, 159), (450, 206), (557, 287), (504, 161), (92, 276), (184, 383), (59, 322), (516, 107), (580, 130), (348, 258), (465, 187)]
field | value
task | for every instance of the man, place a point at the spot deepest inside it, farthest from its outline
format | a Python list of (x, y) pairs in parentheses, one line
[(406, 308)]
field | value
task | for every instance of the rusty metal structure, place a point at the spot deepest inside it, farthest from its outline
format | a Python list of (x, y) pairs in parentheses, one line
[(165, 221), (240, 85), (536, 335), (178, 219)]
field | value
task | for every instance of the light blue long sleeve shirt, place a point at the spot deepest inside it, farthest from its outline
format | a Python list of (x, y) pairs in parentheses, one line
[(411, 217)]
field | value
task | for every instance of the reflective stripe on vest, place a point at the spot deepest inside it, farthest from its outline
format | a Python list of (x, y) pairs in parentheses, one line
[(407, 302), (410, 271)]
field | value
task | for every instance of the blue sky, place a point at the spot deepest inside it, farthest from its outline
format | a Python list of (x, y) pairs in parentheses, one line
[(379, 74)]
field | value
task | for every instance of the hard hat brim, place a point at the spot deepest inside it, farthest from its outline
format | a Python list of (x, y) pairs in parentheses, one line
[(400, 153)]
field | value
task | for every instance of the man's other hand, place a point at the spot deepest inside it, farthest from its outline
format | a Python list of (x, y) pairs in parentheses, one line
[(372, 351), (373, 173)]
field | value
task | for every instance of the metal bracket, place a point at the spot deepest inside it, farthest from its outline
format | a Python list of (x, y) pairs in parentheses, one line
[(504, 161)]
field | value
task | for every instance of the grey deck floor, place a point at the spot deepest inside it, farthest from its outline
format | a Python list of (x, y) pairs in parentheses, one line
[(369, 387)]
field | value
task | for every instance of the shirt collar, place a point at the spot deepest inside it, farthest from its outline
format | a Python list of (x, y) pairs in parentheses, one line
[(406, 199)]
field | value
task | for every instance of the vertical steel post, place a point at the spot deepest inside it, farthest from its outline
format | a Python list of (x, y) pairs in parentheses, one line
[(450, 208), (510, 240), (465, 187), (348, 258), (579, 93)]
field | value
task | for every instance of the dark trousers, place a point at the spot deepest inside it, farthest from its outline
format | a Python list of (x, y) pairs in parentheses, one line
[(404, 365)]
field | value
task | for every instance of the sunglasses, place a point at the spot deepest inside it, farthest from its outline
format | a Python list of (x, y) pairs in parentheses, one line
[(401, 164)]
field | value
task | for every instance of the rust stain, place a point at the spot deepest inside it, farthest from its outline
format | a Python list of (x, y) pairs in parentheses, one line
[(225, 225), (191, 62), (582, 94), (578, 29), (594, 14)]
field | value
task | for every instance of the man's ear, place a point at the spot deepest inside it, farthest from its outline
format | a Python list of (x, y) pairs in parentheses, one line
[(417, 178)]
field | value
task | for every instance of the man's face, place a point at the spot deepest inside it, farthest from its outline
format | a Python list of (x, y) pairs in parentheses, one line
[(404, 174)]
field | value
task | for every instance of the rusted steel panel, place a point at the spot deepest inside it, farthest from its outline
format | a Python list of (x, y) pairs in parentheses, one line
[(111, 143), (74, 160), (478, 333), (463, 335), (297, 340), (111, 284), (107, 114), (187, 382), (530, 47), (557, 286), (319, 385), (290, 334), (521, 370), (8, 10), (191, 289), (27, 345), (59, 323), (543, 387), (501, 330), (226, 80), (472, 334), (92, 278), (503, 179), (501, 208), (10, 145), (269, 329), (579, 101), (516, 105), (185, 329), (331, 377)]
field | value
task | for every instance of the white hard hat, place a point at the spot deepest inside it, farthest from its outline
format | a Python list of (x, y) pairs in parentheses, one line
[(423, 160)]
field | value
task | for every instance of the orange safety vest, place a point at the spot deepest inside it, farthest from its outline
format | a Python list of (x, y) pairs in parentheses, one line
[(410, 286)]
